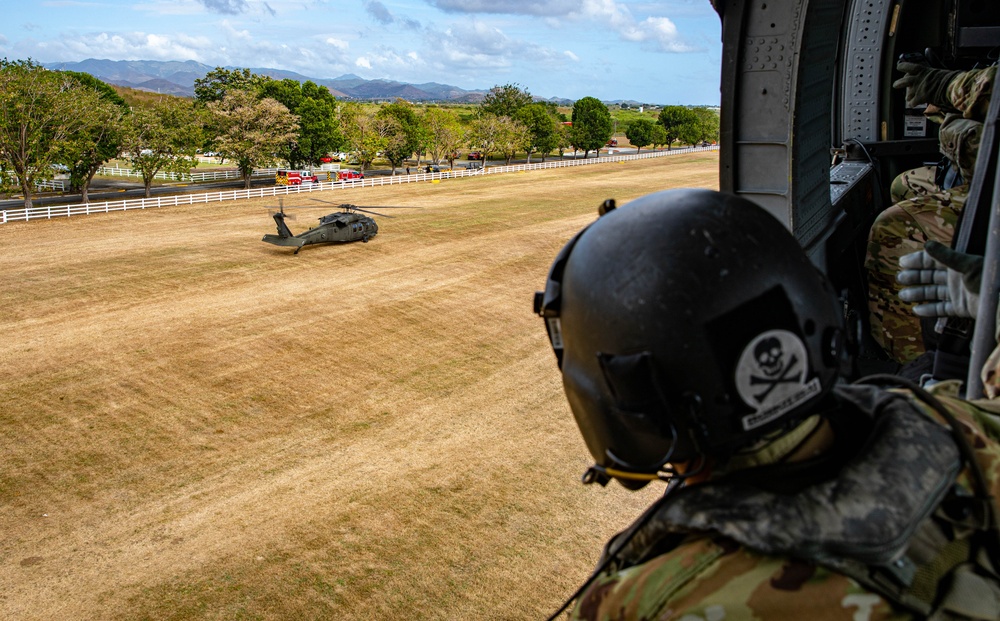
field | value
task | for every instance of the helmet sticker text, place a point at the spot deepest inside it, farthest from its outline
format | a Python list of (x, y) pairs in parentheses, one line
[(771, 376), (555, 332)]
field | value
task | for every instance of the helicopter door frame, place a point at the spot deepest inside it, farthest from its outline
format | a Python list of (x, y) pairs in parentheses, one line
[(778, 73)]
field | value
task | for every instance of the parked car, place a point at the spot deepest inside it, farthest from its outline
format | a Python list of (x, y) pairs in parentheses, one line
[(612, 143), (475, 155)]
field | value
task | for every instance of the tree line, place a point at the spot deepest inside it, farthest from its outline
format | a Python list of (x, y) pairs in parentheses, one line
[(54, 119)]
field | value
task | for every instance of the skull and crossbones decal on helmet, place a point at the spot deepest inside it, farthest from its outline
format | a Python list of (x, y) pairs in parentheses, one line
[(768, 354), (771, 376)]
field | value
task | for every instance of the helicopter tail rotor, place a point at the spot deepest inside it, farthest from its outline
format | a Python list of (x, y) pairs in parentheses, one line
[(281, 210)]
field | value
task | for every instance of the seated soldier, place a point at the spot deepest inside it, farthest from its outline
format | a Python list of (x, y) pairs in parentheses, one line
[(926, 208), (699, 346), (941, 282)]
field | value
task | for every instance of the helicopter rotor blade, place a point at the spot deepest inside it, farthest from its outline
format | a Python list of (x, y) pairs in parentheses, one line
[(374, 213), (341, 205), (287, 216), (350, 206), (386, 207)]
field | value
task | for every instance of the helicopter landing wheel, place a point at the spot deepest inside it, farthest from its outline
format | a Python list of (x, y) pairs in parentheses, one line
[(365, 239)]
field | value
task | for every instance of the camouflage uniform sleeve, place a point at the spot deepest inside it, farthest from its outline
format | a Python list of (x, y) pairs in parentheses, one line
[(980, 424), (970, 92), (716, 579)]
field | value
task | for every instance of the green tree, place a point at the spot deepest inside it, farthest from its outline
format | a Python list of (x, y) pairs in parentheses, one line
[(319, 130), (542, 127), (99, 139), (640, 133), (505, 100), (444, 134), (162, 136), (708, 125), (219, 81), (565, 138), (40, 111), (410, 132), (367, 133), (659, 135), (591, 125), (680, 123), (487, 134), (253, 130), (514, 136)]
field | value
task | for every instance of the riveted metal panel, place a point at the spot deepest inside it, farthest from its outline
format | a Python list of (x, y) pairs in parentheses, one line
[(867, 27), (777, 87)]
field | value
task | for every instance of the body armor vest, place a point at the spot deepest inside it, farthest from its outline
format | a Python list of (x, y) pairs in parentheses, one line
[(894, 517)]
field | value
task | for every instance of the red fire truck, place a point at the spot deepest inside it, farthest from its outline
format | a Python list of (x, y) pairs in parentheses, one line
[(295, 177), (348, 175)]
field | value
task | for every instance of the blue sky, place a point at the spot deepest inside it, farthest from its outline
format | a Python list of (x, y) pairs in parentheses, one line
[(653, 52)]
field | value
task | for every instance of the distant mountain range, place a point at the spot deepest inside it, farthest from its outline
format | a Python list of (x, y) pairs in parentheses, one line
[(177, 78)]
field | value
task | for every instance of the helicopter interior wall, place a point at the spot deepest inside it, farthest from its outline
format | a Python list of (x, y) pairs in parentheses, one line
[(870, 112), (777, 83), (878, 32), (803, 77)]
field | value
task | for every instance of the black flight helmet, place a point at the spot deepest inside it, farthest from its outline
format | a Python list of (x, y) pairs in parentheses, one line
[(687, 324)]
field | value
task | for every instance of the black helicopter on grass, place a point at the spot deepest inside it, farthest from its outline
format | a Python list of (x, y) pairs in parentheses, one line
[(346, 225)]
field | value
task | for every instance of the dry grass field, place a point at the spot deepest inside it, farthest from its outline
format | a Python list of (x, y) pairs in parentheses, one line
[(198, 425)]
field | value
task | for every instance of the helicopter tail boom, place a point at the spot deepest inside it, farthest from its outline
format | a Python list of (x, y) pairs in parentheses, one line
[(281, 240)]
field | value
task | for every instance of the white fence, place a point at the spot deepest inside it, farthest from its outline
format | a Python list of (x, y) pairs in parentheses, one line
[(58, 185), (63, 211), (106, 171)]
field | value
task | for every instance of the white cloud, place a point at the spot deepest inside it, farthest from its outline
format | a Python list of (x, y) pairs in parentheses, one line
[(379, 12), (664, 33), (234, 33), (385, 61), (507, 7), (570, 55), (655, 32), (337, 43), (480, 37), (226, 7), (161, 7), (127, 46)]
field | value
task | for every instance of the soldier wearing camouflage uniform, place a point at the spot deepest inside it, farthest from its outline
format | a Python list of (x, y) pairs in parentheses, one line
[(698, 345), (923, 210)]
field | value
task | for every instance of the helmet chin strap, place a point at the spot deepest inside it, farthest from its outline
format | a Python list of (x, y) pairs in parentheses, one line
[(664, 470)]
